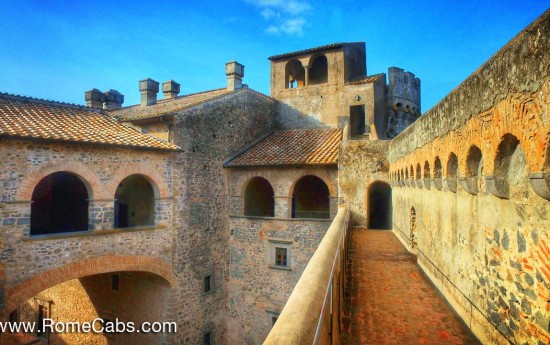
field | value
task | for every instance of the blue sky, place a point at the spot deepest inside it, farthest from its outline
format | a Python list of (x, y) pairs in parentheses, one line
[(59, 49)]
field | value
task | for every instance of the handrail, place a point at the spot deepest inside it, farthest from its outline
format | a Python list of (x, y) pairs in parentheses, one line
[(308, 316)]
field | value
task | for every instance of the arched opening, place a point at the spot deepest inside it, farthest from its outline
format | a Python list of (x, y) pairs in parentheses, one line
[(426, 170), (310, 198), (418, 172), (318, 72), (294, 74), (510, 169), (258, 198), (438, 175), (380, 206), (452, 172), (411, 173), (473, 162), (134, 202), (59, 205), (132, 296)]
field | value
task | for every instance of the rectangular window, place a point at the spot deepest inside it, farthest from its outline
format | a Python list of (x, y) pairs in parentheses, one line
[(281, 255), (208, 339), (207, 283), (115, 282)]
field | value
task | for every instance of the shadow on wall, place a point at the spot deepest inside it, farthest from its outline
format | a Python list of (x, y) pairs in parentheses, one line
[(290, 118)]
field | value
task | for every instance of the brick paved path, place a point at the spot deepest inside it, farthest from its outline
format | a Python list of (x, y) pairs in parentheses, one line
[(390, 301)]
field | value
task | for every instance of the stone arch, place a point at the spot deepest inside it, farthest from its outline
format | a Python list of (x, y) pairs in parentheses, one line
[(451, 172), (380, 205), (85, 174), (473, 170), (318, 70), (104, 264), (310, 198), (258, 197), (328, 181), (427, 175), (438, 173), (498, 183), (160, 187), (134, 202), (294, 72)]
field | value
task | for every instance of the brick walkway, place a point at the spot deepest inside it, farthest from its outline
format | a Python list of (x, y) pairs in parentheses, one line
[(391, 301)]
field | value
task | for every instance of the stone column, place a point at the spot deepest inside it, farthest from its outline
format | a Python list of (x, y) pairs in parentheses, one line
[(101, 214), (306, 76), (163, 211), (283, 206), (236, 205)]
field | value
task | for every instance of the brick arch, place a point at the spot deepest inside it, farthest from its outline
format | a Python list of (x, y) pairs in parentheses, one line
[(250, 178), (86, 175), (326, 179), (83, 268), (160, 187)]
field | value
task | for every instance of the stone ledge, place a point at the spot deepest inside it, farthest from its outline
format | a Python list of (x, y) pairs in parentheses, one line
[(93, 233), (284, 219)]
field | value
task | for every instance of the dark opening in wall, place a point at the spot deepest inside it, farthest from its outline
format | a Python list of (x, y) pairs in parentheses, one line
[(134, 202), (59, 204), (473, 162), (357, 119), (318, 72), (438, 174), (258, 198), (380, 206), (310, 198), (295, 74), (505, 151), (452, 172)]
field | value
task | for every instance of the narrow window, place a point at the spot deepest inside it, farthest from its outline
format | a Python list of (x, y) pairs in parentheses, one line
[(281, 257), (274, 320), (115, 282), (207, 283), (208, 339)]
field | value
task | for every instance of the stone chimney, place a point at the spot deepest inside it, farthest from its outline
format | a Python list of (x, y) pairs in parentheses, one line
[(170, 89), (235, 73), (94, 98), (148, 89), (113, 99)]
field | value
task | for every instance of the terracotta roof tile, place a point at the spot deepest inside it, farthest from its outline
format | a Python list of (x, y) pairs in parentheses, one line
[(292, 147), (168, 106), (306, 51), (25, 117), (365, 79)]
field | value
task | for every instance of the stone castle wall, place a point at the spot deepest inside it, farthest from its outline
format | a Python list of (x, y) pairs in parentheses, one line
[(479, 229)]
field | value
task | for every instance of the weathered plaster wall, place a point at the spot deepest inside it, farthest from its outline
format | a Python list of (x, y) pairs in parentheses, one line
[(483, 240)]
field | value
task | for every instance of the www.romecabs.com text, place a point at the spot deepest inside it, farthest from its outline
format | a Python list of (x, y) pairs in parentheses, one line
[(97, 325)]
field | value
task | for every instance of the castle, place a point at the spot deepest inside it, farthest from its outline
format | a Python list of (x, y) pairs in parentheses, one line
[(205, 209)]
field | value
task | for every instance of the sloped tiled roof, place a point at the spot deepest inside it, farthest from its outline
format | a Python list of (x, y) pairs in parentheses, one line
[(168, 106), (365, 79), (306, 51), (292, 147), (30, 118)]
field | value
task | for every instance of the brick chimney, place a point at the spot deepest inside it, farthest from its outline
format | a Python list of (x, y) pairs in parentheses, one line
[(148, 89), (170, 89), (94, 98), (235, 73), (113, 99)]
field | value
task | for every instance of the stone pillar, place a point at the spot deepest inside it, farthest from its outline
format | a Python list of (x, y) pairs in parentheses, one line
[(101, 214), (283, 206), (163, 211), (236, 205), (334, 201), (306, 76)]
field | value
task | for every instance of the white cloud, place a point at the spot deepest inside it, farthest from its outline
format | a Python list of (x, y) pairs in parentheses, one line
[(284, 16)]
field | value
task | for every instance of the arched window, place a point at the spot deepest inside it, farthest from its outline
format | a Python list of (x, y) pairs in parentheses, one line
[(258, 198), (59, 204), (134, 202), (310, 198), (318, 72), (295, 74), (452, 172)]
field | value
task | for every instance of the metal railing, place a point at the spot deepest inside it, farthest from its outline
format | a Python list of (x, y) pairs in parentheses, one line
[(312, 312)]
